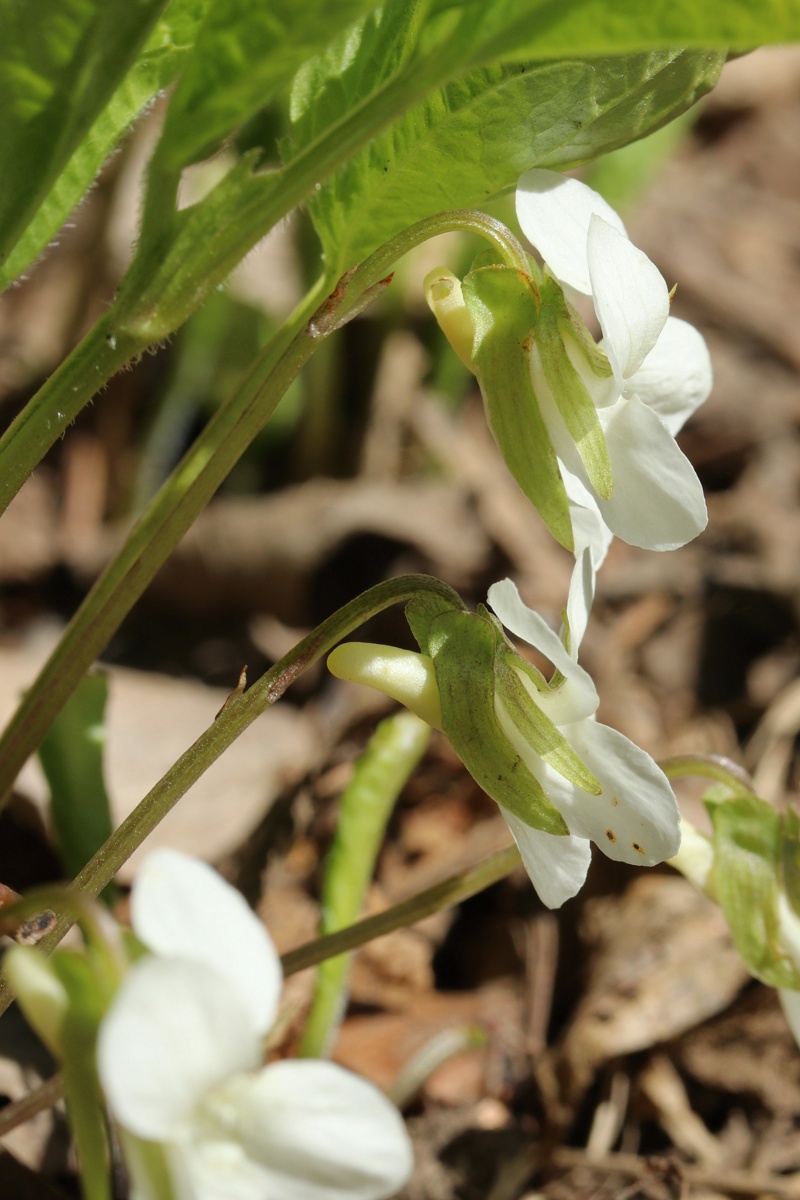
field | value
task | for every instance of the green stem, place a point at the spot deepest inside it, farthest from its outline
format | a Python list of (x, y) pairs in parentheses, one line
[(57, 403), (149, 543), (366, 804), (232, 721), (195, 480), (167, 283), (442, 895), (173, 274), (712, 766)]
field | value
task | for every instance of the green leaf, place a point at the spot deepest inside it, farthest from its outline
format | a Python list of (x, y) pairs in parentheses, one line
[(513, 29), (748, 835), (463, 648), (246, 52), (382, 771), (59, 66), (72, 759), (356, 63), (154, 69), (474, 137), (503, 306)]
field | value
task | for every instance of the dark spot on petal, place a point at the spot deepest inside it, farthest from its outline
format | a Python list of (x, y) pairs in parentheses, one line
[(614, 801), (612, 837), (639, 849)]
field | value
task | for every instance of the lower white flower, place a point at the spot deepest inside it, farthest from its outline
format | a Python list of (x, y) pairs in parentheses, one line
[(180, 1050), (634, 818), (530, 742)]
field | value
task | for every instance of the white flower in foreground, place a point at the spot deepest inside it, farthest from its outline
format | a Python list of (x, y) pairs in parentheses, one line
[(180, 1050), (530, 745), (660, 372)]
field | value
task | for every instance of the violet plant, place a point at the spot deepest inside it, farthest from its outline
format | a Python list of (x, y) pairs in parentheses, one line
[(401, 120)]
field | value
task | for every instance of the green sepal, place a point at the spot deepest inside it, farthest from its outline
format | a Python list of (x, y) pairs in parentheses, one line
[(790, 858), (533, 673), (423, 610), (536, 727), (503, 305), (89, 996), (572, 326), (569, 391), (487, 258), (463, 648), (748, 837)]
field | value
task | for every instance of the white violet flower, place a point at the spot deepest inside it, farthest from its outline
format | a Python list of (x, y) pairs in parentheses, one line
[(634, 819), (600, 786), (180, 1054), (660, 371)]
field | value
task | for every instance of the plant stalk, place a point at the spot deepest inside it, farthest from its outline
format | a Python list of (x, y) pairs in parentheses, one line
[(236, 716)]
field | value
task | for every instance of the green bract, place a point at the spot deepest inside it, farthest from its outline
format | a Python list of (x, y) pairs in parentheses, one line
[(503, 305), (751, 848)]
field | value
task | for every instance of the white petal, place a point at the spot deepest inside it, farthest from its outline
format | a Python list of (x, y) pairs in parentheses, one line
[(790, 1003), (309, 1131), (588, 527), (657, 502), (554, 214), (175, 1030), (630, 298), (789, 927), (577, 697), (556, 866), (635, 818), (580, 598), (182, 908), (676, 377)]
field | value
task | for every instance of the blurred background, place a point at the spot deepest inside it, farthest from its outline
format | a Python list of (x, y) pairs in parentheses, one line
[(627, 1023)]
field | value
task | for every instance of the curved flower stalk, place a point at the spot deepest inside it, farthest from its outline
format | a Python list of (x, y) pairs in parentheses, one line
[(180, 1052), (561, 779), (651, 371)]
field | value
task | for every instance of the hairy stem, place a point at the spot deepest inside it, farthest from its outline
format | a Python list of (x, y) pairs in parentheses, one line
[(232, 721), (199, 474)]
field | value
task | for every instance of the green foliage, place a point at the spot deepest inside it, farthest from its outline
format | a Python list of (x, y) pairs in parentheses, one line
[(473, 137), (381, 773), (59, 68), (156, 67), (514, 29), (88, 993), (72, 758), (748, 842), (245, 54)]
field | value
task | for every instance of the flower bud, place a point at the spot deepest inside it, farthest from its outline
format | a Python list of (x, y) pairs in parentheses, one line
[(41, 994)]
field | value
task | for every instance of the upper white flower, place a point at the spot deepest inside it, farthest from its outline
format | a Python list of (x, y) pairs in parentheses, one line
[(634, 819), (661, 371), (180, 1050)]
